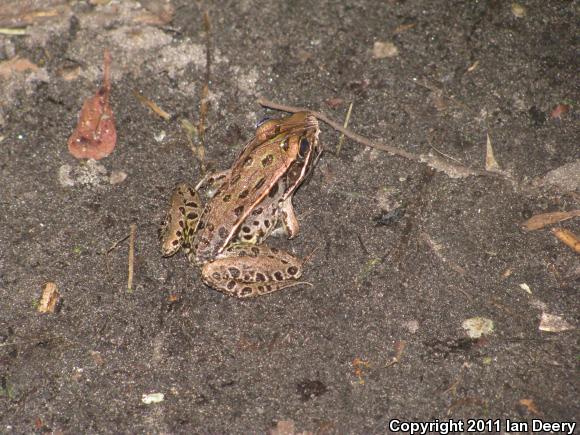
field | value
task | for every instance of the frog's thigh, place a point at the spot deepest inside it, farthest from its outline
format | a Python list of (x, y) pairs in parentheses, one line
[(181, 218), (288, 217), (247, 271)]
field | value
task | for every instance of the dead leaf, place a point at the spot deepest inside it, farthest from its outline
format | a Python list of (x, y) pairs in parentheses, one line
[(359, 365), (382, 50), (117, 177), (490, 162), (403, 28), (400, 346), (16, 65), (531, 407), (70, 73), (568, 238), (49, 298), (19, 13), (283, 427), (541, 220), (559, 110), (518, 10), (478, 326), (95, 136), (554, 323), (152, 398), (473, 66)]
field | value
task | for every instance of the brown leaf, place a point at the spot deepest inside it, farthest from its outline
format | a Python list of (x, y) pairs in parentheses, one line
[(95, 136), (553, 323), (559, 110), (382, 50), (531, 406), (16, 65), (490, 161), (568, 238), (541, 220), (49, 298)]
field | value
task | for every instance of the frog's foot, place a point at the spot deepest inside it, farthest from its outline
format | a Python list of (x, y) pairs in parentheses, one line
[(181, 219), (246, 271)]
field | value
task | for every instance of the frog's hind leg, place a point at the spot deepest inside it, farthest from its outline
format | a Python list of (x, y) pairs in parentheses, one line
[(245, 271), (181, 220)]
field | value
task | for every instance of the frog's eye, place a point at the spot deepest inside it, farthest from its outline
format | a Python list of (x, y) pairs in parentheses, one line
[(304, 147), (262, 121)]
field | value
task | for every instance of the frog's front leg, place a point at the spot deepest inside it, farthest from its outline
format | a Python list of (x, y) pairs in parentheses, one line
[(181, 219), (246, 270), (290, 223)]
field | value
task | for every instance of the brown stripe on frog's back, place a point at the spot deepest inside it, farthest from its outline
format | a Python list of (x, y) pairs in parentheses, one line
[(236, 200)]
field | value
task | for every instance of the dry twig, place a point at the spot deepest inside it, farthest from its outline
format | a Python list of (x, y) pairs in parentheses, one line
[(434, 162), (133, 228)]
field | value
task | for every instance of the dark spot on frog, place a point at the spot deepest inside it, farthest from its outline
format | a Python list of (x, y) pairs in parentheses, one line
[(267, 223), (248, 161), (278, 275), (191, 216), (175, 242), (192, 204), (226, 198), (273, 191), (274, 250), (309, 389), (234, 180), (248, 237), (234, 272), (260, 277), (292, 270), (222, 232), (243, 194), (246, 229), (256, 223), (266, 161), (231, 284), (239, 210), (260, 183), (255, 250), (257, 211), (182, 210)]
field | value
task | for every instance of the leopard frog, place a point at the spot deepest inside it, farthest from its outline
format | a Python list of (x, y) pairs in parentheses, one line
[(252, 199)]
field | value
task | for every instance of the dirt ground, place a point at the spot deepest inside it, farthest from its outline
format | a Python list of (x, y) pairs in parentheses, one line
[(404, 254)]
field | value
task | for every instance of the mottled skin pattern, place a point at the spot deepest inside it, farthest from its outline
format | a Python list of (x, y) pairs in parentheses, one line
[(253, 198)]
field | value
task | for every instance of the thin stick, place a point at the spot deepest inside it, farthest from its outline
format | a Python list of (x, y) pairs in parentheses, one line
[(117, 243), (431, 160), (345, 125), (133, 229)]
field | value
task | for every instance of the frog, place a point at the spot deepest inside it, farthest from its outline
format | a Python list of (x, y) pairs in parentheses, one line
[(225, 237)]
